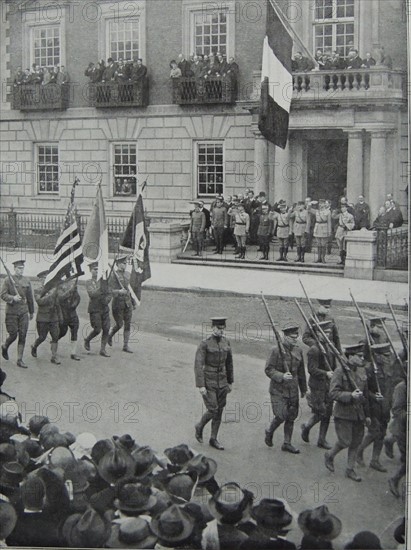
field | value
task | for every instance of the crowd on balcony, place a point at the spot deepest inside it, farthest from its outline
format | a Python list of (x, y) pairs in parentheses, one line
[(41, 75), (121, 71), (329, 60), (58, 489)]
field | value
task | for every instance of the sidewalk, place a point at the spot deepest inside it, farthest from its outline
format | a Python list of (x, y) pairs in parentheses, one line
[(197, 278)]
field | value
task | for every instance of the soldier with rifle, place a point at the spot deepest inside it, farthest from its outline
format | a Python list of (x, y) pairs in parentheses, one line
[(320, 314), (18, 295), (100, 296), (376, 330), (349, 390), (285, 368)]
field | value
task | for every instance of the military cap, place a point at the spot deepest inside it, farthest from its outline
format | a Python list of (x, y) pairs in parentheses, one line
[(42, 274), (381, 348), (376, 320), (19, 263), (325, 325), (353, 349), (218, 321), (93, 265), (290, 328), (324, 301), (122, 259)]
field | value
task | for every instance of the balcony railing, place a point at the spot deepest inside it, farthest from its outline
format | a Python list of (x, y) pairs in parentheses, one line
[(378, 83), (39, 97), (392, 248), (189, 91), (119, 94)]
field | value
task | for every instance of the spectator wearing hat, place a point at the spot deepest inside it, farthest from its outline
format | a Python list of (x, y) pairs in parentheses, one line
[(285, 368), (272, 520), (8, 520), (69, 299), (349, 390), (322, 313), (320, 364), (265, 231), (100, 296), (18, 295), (219, 224), (346, 223), (362, 214), (281, 222), (214, 376), (123, 304), (131, 533), (393, 215), (174, 527), (398, 428), (301, 219), (197, 228), (319, 526), (381, 384), (322, 229), (87, 530), (134, 498), (48, 318), (364, 540)]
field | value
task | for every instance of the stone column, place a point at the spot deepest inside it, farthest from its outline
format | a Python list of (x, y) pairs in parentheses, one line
[(377, 171), (355, 159), (260, 177)]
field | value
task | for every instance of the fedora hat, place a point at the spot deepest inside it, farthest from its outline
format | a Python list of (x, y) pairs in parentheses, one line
[(364, 540), (135, 497), (100, 448), (271, 514), (144, 461), (8, 519), (131, 533), (126, 441), (230, 502), (181, 486), (179, 455), (87, 530), (36, 423), (173, 525), (203, 466), (320, 523), (61, 457), (12, 474), (8, 452), (115, 465)]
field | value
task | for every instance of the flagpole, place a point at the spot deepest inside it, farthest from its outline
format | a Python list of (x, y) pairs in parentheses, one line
[(292, 33)]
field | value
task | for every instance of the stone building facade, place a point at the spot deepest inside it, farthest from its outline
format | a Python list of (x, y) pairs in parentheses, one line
[(341, 137)]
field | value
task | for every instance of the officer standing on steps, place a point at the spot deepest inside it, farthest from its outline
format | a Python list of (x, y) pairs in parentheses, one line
[(98, 309), (287, 376), (18, 295), (48, 318), (122, 305), (214, 377), (69, 299)]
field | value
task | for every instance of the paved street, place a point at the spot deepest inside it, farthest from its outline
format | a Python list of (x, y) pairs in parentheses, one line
[(151, 395)]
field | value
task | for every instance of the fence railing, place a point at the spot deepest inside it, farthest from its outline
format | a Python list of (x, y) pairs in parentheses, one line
[(37, 97), (119, 94), (392, 248), (190, 90)]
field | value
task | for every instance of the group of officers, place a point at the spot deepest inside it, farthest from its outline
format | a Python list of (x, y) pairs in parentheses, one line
[(57, 310), (360, 393)]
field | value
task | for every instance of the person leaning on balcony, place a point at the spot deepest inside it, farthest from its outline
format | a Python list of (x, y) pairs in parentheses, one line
[(319, 58), (223, 65), (19, 77), (197, 228), (36, 75), (369, 61), (49, 76), (381, 220), (120, 72), (197, 67), (184, 65), (175, 71), (109, 71), (362, 214), (301, 64), (385, 59), (337, 63), (354, 61), (393, 214), (139, 71), (322, 229), (62, 76)]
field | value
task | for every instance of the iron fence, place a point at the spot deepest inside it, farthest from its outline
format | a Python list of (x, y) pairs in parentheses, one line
[(190, 90), (392, 248), (37, 97), (119, 94)]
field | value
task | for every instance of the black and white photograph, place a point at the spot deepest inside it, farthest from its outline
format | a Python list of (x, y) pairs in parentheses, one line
[(204, 274)]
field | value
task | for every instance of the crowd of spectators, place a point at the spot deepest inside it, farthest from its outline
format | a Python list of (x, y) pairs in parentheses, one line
[(41, 75), (57, 490), (329, 60), (122, 71)]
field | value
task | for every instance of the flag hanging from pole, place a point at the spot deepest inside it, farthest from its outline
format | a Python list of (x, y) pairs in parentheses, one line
[(95, 240), (276, 79), (136, 242), (68, 254)]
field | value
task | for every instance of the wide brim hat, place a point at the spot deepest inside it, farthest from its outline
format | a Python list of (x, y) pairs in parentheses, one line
[(364, 540), (116, 465), (179, 455), (11, 475), (229, 500), (174, 515), (144, 462), (131, 533), (320, 523), (271, 514), (8, 519), (134, 497), (87, 530), (203, 466)]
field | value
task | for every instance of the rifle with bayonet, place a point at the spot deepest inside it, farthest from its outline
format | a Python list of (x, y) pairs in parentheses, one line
[(403, 339), (316, 337), (277, 336)]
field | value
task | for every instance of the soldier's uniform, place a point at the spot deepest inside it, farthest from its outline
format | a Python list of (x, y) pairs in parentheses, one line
[(320, 402), (213, 369), (100, 296), (47, 319), (322, 315), (389, 375), (301, 220), (322, 230), (282, 223), (197, 228), (122, 305), (264, 232), (69, 299), (346, 223), (349, 413), (376, 331), (17, 312), (398, 428), (284, 393)]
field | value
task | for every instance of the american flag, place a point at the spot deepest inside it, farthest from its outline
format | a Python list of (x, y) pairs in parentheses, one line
[(68, 253)]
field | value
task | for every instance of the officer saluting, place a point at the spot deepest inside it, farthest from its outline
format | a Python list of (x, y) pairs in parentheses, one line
[(18, 295), (123, 304), (213, 370)]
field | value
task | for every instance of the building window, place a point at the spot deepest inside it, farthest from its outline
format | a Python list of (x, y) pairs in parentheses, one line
[(48, 169), (209, 32), (334, 25), (124, 169), (46, 46), (210, 168), (123, 39)]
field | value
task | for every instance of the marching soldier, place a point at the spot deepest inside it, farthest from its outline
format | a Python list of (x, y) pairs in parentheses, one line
[(48, 318), (349, 390), (122, 305), (322, 229), (98, 309), (18, 295), (389, 374), (376, 330), (321, 370), (323, 314), (282, 223), (265, 231), (346, 223), (69, 299), (301, 226), (398, 428), (214, 377), (287, 376)]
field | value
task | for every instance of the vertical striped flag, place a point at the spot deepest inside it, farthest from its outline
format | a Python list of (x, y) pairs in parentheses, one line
[(276, 79), (95, 240), (68, 254)]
